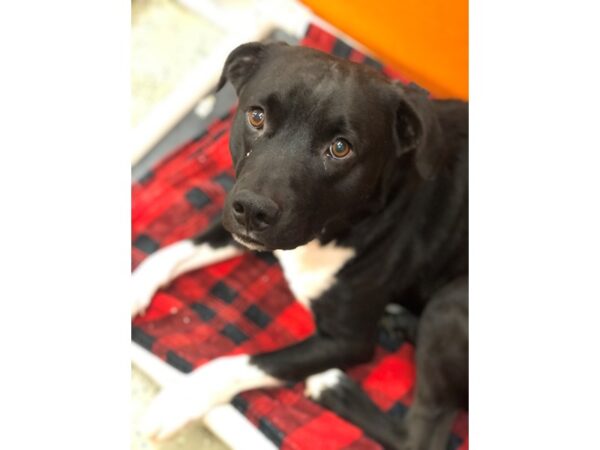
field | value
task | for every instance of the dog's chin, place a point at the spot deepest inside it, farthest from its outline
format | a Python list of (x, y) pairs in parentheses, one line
[(253, 244), (249, 243), (261, 243)]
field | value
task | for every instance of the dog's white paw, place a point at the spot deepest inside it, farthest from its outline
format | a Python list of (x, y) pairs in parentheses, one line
[(174, 407), (160, 268), (190, 399), (320, 382), (156, 271), (146, 280), (193, 396)]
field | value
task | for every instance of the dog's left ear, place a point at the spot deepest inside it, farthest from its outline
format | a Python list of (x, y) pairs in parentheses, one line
[(243, 62), (417, 129)]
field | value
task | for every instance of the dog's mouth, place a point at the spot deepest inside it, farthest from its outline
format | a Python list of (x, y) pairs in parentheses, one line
[(249, 242)]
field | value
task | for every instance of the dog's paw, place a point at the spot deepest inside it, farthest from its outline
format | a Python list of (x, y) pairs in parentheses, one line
[(152, 274), (321, 382), (156, 271), (175, 407), (146, 280), (192, 397)]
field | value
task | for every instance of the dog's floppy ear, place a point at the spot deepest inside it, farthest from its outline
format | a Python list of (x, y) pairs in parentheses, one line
[(241, 64), (417, 129)]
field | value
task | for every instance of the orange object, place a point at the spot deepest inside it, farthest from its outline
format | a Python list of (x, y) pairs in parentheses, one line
[(428, 40)]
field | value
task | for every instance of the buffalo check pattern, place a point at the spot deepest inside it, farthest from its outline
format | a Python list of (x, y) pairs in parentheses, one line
[(244, 305)]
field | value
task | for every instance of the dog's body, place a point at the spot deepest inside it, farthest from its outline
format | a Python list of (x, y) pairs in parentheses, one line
[(359, 186)]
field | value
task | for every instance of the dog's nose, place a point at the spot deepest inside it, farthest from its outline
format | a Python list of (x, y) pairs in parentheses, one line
[(254, 211)]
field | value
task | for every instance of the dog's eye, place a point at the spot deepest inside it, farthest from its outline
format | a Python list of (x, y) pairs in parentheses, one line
[(256, 117), (340, 148)]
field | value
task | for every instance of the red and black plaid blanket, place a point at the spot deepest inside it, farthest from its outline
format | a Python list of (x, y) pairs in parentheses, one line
[(244, 305)]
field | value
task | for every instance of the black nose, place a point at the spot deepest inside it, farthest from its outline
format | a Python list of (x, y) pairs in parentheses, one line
[(254, 211)]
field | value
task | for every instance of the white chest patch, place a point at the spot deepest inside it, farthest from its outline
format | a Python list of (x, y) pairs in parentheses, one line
[(311, 269)]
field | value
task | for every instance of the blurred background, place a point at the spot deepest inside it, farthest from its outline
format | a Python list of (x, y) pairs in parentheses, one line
[(178, 48)]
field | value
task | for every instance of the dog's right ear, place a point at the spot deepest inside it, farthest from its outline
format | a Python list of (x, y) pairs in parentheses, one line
[(241, 65), (418, 130)]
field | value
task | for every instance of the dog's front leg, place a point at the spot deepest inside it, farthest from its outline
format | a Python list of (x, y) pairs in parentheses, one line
[(221, 379), (163, 266), (313, 355)]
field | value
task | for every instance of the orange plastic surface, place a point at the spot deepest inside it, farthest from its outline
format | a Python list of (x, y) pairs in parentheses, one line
[(428, 40)]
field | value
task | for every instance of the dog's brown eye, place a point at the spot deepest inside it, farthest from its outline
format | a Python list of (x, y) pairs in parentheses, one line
[(340, 148), (256, 117)]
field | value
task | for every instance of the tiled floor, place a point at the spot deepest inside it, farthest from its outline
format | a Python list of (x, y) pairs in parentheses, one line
[(167, 40)]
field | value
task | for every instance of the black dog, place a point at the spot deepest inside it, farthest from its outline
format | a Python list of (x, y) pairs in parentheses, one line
[(359, 185)]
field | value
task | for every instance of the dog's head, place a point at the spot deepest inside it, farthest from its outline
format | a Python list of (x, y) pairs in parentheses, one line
[(311, 140)]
